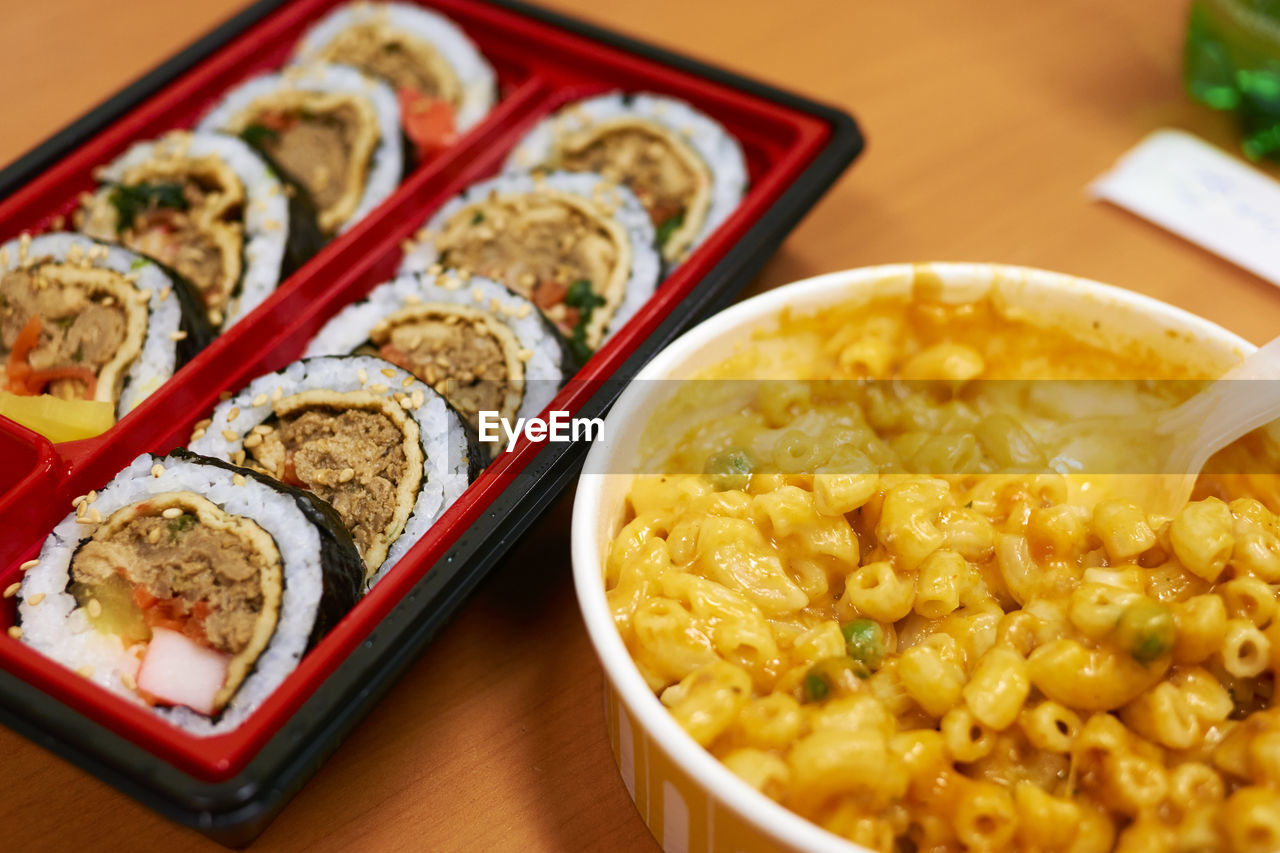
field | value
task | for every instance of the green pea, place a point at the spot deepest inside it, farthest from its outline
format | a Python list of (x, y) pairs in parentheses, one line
[(1146, 630), (730, 469), (830, 677), (816, 687), (864, 639)]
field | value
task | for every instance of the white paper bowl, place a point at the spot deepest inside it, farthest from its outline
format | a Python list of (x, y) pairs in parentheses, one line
[(688, 799)]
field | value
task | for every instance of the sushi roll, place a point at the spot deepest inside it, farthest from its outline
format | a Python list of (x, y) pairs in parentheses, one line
[(81, 320), (190, 586), (477, 343), (382, 448), (328, 129), (444, 84), (579, 247), (208, 207), (685, 168)]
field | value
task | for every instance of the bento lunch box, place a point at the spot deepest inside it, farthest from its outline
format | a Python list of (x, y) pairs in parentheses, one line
[(230, 785)]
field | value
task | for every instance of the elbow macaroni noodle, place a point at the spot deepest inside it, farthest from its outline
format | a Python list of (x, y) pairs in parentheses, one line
[(955, 661)]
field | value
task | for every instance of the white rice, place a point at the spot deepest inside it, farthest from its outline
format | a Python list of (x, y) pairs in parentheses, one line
[(707, 137), (544, 371), (475, 74), (442, 434), (158, 359), (646, 266), (266, 207), (387, 165), (57, 628)]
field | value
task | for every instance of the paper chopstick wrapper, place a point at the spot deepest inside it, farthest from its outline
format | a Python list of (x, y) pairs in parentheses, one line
[(1203, 194)]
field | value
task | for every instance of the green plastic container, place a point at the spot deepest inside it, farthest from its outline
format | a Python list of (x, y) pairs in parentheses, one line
[(1232, 63)]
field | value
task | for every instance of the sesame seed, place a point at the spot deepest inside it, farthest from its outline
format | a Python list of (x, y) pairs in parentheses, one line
[(12, 589), (36, 599), (388, 372), (238, 457), (197, 435), (229, 435), (346, 475), (406, 382), (413, 299), (523, 312), (418, 398), (204, 424), (94, 607), (28, 565), (85, 671), (263, 429), (406, 403), (233, 414), (172, 512), (92, 496), (260, 400), (95, 516), (178, 335), (379, 388), (362, 375), (164, 292), (15, 632), (157, 469), (127, 680), (253, 440), (238, 479), (83, 520), (78, 499), (525, 354), (477, 294), (277, 394)]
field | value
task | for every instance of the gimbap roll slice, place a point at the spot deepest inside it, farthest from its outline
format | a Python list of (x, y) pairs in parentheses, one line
[(382, 448), (329, 129), (685, 168), (444, 84), (579, 247), (191, 586), (480, 345), (81, 320), (208, 207)]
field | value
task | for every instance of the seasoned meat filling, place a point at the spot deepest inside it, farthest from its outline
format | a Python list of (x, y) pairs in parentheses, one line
[(312, 149), (185, 213), (542, 248), (177, 574), (396, 57), (353, 459), (664, 182), (459, 357), (324, 141), (60, 334)]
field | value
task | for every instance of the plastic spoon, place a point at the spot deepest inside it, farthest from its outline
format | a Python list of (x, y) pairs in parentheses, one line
[(1185, 437)]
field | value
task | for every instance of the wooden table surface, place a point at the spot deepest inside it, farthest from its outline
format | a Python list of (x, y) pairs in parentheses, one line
[(985, 122)]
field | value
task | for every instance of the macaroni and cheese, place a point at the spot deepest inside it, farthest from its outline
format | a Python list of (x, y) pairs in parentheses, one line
[(880, 605)]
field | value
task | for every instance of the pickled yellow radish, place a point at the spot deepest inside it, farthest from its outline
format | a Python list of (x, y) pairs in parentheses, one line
[(117, 612), (57, 419)]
